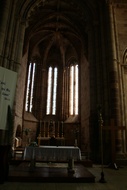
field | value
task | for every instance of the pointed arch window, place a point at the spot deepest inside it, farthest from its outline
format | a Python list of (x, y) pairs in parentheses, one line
[(30, 87), (73, 90), (52, 90)]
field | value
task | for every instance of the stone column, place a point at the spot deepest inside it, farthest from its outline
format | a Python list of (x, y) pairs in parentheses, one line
[(18, 45), (3, 26), (113, 78), (44, 90)]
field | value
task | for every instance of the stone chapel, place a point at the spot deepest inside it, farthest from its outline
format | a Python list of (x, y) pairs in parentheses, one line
[(70, 62)]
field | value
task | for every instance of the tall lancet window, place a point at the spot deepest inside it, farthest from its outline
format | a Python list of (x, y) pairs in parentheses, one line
[(73, 90), (30, 87), (52, 91)]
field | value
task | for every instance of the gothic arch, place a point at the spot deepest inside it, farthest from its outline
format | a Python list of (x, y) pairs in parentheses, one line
[(63, 30), (72, 29)]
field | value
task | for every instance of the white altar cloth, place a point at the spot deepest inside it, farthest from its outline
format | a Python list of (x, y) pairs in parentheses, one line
[(52, 153)]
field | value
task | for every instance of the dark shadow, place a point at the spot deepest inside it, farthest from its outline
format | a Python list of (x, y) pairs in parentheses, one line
[(53, 141)]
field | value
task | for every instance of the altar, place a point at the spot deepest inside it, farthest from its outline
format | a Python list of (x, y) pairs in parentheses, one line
[(67, 154), (52, 153)]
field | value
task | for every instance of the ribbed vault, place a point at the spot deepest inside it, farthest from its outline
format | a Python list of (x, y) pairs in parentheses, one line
[(57, 24)]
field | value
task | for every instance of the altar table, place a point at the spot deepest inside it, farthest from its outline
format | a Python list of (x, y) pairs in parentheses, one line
[(52, 153)]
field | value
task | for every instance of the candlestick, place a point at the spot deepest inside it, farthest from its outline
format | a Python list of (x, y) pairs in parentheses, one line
[(100, 120), (44, 128), (62, 129), (58, 129), (40, 127), (48, 129), (54, 129)]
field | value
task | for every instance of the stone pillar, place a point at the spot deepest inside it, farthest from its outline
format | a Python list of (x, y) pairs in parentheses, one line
[(67, 93), (3, 26), (18, 45), (113, 79), (44, 91), (12, 30)]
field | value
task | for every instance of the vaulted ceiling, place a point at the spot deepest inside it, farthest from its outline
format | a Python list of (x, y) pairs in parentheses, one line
[(58, 27)]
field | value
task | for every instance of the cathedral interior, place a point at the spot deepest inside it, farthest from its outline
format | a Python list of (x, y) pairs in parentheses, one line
[(70, 58)]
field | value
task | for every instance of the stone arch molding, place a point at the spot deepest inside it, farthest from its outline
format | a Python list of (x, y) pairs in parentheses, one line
[(124, 86), (84, 11), (25, 8), (125, 57)]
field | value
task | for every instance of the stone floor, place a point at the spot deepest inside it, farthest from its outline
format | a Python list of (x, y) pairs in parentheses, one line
[(115, 180)]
